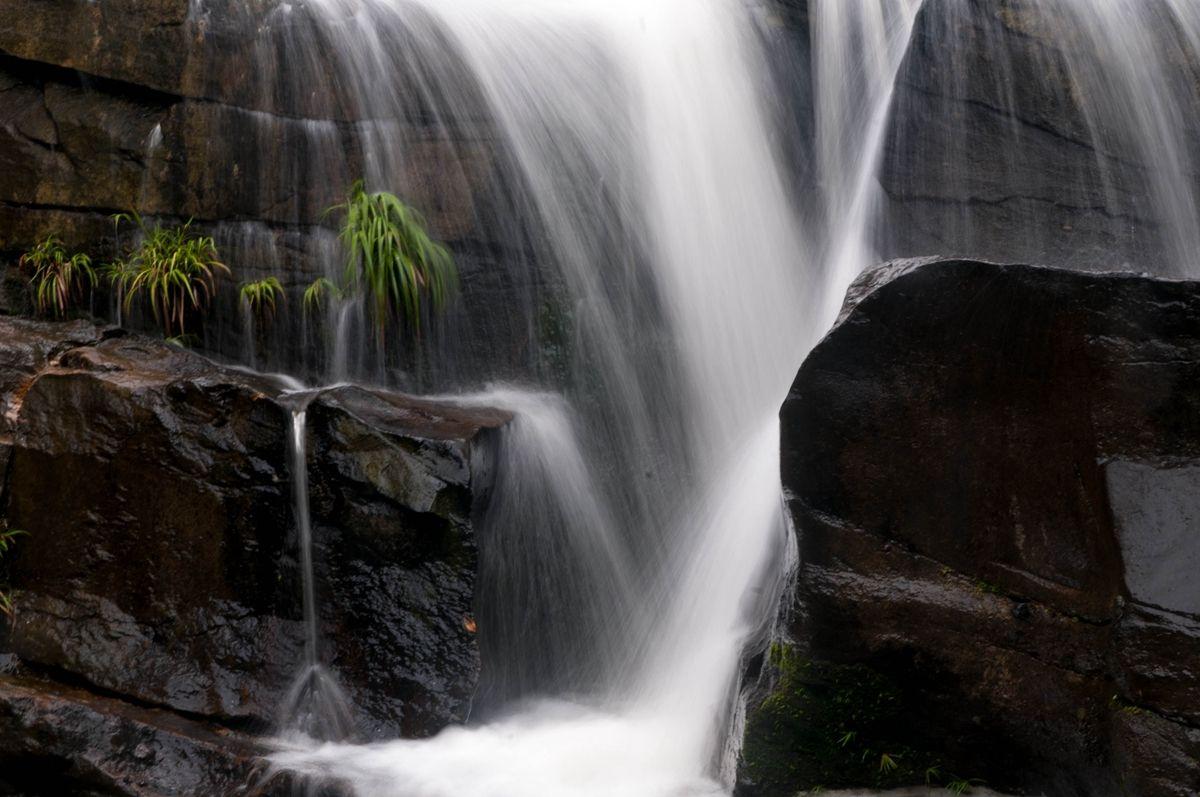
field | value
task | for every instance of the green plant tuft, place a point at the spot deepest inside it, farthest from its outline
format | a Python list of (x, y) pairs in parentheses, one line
[(985, 587), (181, 341), (174, 269), (1116, 703), (319, 292), (391, 260), (7, 538), (260, 297), (961, 786), (58, 279)]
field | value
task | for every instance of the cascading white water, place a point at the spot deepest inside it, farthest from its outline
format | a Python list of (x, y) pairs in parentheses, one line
[(640, 130), (858, 46)]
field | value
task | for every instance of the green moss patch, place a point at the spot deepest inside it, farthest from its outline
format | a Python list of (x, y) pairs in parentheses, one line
[(831, 726)]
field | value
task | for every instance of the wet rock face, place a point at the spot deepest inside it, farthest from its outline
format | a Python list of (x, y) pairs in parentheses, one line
[(219, 111), (161, 562), (990, 154), (992, 473), (155, 492), (395, 485), (57, 739)]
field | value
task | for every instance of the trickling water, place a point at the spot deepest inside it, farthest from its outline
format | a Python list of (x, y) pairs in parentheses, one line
[(315, 706), (858, 47), (1138, 95), (1050, 131), (250, 357), (153, 147)]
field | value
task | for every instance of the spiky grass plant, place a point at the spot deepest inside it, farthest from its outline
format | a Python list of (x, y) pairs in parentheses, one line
[(390, 260), (58, 280), (320, 292), (174, 268), (7, 538), (260, 297)]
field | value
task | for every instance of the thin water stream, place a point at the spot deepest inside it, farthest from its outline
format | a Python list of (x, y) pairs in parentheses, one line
[(316, 707)]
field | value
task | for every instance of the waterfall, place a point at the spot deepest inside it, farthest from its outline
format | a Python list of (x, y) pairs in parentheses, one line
[(634, 545), (635, 541), (617, 167)]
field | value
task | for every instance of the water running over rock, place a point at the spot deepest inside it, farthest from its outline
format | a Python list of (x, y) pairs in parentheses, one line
[(635, 549), (650, 558), (315, 706), (1048, 131)]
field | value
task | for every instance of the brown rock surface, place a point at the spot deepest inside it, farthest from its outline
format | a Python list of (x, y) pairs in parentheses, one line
[(161, 563), (59, 740)]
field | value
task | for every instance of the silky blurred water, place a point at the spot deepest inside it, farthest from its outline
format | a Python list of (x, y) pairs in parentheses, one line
[(636, 539), (636, 546)]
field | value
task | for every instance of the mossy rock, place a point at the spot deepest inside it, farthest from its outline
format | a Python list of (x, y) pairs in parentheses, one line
[(830, 726)]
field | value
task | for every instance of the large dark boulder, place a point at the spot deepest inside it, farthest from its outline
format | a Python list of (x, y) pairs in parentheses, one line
[(161, 562), (993, 474)]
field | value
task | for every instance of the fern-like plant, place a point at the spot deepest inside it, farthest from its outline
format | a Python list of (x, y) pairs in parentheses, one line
[(391, 260), (57, 279), (175, 270), (260, 297)]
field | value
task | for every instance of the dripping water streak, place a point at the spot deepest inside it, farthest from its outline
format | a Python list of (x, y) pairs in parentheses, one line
[(304, 534), (315, 706)]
